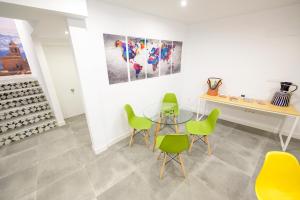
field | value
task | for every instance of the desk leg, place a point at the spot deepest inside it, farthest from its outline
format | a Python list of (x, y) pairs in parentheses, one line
[(285, 144), (203, 111), (198, 109), (157, 129)]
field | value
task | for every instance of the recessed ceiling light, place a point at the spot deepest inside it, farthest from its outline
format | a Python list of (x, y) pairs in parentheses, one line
[(183, 3), (66, 32)]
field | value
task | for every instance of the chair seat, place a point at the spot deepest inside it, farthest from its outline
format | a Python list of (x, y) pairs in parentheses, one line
[(199, 127), (141, 123), (269, 192), (279, 178)]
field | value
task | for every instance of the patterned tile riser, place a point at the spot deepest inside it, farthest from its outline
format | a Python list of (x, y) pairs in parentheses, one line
[(20, 102), (23, 122), (18, 85), (21, 93), (24, 134), (24, 111)]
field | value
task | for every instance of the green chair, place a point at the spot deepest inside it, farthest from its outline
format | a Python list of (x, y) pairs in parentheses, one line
[(200, 130), (138, 124), (172, 145), (170, 104), (170, 108)]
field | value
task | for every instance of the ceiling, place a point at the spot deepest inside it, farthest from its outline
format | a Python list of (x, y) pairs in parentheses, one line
[(48, 26), (200, 10)]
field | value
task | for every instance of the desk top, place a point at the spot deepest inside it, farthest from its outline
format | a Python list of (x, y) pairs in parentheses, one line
[(266, 107)]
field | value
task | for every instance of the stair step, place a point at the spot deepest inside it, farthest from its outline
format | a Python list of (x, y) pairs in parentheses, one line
[(24, 118), (27, 131), (17, 102), (24, 110), (23, 92), (7, 85), (28, 106)]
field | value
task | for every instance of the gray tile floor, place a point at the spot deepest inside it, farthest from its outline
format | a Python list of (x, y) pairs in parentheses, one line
[(60, 165)]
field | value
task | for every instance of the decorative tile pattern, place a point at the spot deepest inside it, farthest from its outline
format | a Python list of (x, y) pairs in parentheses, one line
[(24, 110)]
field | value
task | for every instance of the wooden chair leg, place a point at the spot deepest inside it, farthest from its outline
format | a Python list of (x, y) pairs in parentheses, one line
[(158, 157), (131, 138), (208, 145), (157, 129), (175, 124), (191, 145), (162, 169), (146, 138), (181, 165)]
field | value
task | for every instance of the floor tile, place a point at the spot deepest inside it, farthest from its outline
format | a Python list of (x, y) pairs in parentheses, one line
[(55, 134), (224, 179), (237, 156), (16, 162), (57, 147), (18, 184), (132, 187), (108, 170), (150, 170), (76, 186), (24, 145), (193, 189), (53, 169)]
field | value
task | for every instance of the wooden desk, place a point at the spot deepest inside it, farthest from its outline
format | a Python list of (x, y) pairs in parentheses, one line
[(267, 107)]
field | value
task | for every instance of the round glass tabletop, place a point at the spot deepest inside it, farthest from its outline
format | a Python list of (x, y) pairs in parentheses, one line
[(167, 114)]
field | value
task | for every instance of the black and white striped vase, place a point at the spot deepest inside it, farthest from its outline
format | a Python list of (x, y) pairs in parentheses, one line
[(281, 99)]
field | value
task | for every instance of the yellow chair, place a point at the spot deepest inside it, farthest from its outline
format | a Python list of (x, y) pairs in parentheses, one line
[(279, 178)]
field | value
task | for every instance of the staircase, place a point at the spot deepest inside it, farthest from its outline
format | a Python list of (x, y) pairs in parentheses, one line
[(24, 110)]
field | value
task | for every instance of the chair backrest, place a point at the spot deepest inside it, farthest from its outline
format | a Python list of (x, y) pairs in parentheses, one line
[(171, 98), (213, 117), (175, 143), (130, 113), (280, 164)]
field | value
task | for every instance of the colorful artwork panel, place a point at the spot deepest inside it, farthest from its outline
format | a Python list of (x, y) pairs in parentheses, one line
[(152, 57), (13, 60), (137, 55), (116, 58), (176, 57), (166, 57)]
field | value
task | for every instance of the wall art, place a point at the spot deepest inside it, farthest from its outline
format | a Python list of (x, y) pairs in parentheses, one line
[(136, 58), (136, 54), (176, 57), (116, 58), (13, 60), (166, 57), (152, 57)]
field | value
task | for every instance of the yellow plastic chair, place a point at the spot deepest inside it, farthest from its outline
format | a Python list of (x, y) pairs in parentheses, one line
[(279, 178)]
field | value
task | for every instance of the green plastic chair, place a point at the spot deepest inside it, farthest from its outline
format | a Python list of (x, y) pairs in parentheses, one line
[(172, 145), (169, 104), (170, 108), (200, 130), (138, 124)]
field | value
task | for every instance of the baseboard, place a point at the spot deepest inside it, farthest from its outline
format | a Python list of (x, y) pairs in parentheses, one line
[(99, 150), (61, 123), (118, 139)]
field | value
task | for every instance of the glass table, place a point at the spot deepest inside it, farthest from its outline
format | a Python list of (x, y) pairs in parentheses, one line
[(164, 115)]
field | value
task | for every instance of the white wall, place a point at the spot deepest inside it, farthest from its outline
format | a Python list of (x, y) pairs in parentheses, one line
[(64, 75), (73, 7), (36, 62), (252, 53), (103, 102)]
